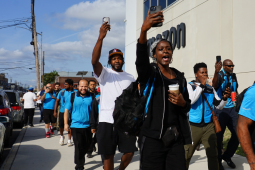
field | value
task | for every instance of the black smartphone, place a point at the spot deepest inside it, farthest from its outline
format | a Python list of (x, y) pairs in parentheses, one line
[(155, 9), (218, 58), (106, 19), (228, 85)]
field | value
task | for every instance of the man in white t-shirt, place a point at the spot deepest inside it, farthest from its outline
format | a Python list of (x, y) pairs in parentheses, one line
[(112, 82), (29, 99)]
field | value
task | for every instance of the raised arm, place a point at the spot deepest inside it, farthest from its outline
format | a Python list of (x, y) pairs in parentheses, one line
[(215, 80), (245, 139), (150, 20), (97, 66), (143, 66)]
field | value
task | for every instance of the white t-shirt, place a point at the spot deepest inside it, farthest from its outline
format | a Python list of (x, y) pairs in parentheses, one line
[(38, 100), (29, 100), (112, 84)]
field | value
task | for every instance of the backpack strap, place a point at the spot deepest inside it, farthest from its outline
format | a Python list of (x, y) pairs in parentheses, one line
[(221, 80), (193, 85), (62, 93), (72, 97)]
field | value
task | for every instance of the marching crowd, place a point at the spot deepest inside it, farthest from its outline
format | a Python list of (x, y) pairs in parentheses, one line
[(176, 123)]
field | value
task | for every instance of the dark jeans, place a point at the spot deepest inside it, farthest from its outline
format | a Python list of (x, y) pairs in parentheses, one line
[(41, 110), (92, 145), (28, 116), (82, 138), (227, 118), (154, 155)]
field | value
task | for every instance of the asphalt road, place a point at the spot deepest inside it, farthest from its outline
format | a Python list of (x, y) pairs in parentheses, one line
[(13, 138)]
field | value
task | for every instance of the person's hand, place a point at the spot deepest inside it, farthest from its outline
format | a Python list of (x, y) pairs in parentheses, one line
[(103, 30), (55, 114), (53, 97), (227, 93), (152, 19), (218, 66), (176, 99), (47, 90), (203, 80), (93, 130), (66, 127)]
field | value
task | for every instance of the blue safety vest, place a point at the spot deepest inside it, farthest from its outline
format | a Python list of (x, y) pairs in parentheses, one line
[(196, 111)]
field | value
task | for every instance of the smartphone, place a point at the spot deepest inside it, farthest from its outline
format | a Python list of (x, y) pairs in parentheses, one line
[(106, 19), (155, 9), (228, 85), (218, 58)]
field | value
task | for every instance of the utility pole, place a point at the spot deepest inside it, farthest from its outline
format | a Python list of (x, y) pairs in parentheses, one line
[(41, 63), (43, 70), (34, 35)]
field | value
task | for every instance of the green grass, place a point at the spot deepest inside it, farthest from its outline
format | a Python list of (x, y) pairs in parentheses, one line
[(226, 139)]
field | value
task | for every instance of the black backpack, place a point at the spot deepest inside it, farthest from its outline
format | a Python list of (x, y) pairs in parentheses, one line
[(130, 108), (239, 100)]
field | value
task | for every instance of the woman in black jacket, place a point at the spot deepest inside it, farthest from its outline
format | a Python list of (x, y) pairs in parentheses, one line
[(166, 129)]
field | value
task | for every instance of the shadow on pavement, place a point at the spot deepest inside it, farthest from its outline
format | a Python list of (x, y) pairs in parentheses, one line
[(117, 160), (38, 157)]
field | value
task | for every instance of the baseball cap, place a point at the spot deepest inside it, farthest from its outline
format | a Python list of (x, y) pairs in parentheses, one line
[(31, 89), (115, 51)]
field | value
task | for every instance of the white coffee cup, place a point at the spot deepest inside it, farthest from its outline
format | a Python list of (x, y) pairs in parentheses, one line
[(174, 88)]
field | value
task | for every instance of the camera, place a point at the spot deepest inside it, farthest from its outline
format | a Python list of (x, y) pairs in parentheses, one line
[(153, 8)]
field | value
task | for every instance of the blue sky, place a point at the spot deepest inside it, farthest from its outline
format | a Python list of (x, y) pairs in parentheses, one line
[(70, 30)]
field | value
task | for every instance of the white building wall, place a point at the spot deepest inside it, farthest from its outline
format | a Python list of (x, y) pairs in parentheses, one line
[(213, 27), (130, 37)]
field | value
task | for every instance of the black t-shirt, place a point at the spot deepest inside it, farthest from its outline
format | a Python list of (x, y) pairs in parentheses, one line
[(171, 110)]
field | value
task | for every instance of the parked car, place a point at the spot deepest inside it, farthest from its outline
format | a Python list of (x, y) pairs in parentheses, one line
[(6, 115), (17, 106), (2, 136)]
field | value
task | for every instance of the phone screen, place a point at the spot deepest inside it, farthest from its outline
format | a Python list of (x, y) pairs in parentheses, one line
[(106, 19)]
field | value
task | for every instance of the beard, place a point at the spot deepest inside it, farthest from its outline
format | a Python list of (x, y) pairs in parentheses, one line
[(117, 69)]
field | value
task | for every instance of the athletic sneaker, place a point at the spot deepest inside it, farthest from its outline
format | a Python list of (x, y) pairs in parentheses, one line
[(25, 126), (48, 135), (52, 132), (61, 141), (69, 144)]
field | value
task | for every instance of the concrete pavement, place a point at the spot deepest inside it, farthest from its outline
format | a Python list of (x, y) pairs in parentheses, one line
[(33, 151)]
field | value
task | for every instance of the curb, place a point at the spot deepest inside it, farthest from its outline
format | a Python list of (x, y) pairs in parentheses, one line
[(14, 150)]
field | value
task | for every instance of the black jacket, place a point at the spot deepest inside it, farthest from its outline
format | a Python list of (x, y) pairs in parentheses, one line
[(94, 113), (153, 124)]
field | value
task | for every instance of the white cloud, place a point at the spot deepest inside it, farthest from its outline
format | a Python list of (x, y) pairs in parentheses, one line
[(72, 55), (87, 13)]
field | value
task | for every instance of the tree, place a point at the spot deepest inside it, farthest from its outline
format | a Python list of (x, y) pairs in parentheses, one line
[(50, 77)]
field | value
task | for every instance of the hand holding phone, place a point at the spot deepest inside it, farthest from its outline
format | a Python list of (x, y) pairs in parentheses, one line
[(106, 19), (153, 10), (218, 64), (218, 58)]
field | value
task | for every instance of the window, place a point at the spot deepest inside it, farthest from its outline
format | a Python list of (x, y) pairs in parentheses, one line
[(1, 102), (12, 98), (170, 2), (162, 3), (146, 7), (154, 2)]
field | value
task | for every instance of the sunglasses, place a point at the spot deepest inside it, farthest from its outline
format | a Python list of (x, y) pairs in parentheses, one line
[(230, 65)]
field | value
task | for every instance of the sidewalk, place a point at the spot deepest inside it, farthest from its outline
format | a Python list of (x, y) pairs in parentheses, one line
[(40, 153)]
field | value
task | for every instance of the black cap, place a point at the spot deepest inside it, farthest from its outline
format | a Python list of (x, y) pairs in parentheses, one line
[(115, 51)]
